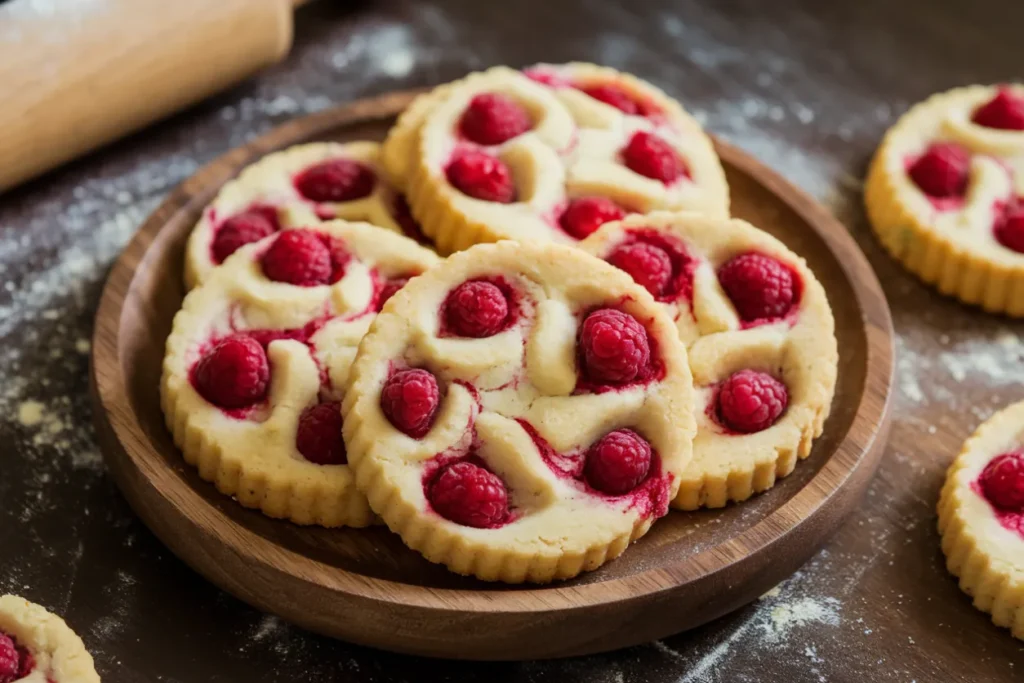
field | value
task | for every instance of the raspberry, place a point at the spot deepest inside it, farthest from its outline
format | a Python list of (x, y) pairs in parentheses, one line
[(615, 347), (1009, 228), (617, 97), (586, 214), (409, 400), (248, 226), (319, 435), (650, 266), (1004, 111), (298, 257), (618, 462), (336, 180), (10, 660), (759, 286), (482, 176), (1002, 481), (340, 257), (476, 309), (750, 401), (234, 373), (942, 171), (492, 119), (468, 494), (389, 289), (650, 156), (28, 664)]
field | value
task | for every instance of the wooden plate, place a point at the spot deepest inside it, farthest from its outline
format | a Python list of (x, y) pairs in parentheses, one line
[(364, 585)]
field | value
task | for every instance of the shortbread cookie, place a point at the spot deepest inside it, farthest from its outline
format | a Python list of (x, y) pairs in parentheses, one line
[(544, 157), (520, 413), (981, 518), (761, 342), (259, 357), (38, 647), (945, 190), (295, 188)]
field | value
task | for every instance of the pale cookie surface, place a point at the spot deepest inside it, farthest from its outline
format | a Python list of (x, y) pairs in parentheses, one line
[(48, 650), (981, 518), (255, 367), (295, 188), (944, 194), (502, 429), (711, 276)]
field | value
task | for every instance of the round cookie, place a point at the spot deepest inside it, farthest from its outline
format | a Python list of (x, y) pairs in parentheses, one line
[(520, 413), (944, 194), (981, 518), (761, 343), (38, 647), (294, 188), (259, 356)]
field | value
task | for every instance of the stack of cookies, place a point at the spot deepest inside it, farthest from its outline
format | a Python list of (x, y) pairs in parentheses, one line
[(601, 344)]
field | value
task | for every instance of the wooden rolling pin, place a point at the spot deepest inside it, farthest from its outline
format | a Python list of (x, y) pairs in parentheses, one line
[(75, 74)]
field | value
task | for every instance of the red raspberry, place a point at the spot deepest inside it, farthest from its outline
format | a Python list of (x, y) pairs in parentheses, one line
[(650, 156), (476, 309), (234, 373), (1002, 481), (340, 257), (409, 400), (298, 257), (759, 286), (1010, 227), (468, 494), (942, 171), (28, 664), (319, 435), (482, 176), (336, 180), (616, 96), (248, 226), (615, 346), (389, 289), (492, 119), (10, 660), (750, 401), (586, 214), (650, 266), (1004, 111), (618, 462)]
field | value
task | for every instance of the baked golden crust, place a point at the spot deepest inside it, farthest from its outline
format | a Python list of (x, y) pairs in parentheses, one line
[(59, 654)]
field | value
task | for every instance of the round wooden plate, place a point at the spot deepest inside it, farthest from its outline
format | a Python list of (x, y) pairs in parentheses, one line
[(364, 585)]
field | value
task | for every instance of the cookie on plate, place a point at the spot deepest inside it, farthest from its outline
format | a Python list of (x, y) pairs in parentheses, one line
[(944, 194), (258, 359), (36, 646), (761, 342), (522, 412), (981, 518)]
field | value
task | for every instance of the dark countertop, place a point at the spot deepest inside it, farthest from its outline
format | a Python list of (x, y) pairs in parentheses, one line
[(809, 87)]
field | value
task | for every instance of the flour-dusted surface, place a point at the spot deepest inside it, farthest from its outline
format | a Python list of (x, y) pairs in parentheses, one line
[(808, 87)]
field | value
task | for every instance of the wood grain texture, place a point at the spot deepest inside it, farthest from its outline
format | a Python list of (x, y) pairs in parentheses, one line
[(691, 568)]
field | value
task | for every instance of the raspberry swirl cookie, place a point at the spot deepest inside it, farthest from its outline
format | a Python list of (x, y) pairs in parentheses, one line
[(299, 186), (981, 518), (38, 647), (520, 413), (945, 191), (259, 356), (761, 342)]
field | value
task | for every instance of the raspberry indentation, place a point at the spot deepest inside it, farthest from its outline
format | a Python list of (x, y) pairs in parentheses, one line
[(1009, 229), (336, 180), (389, 289), (493, 118), (468, 494), (584, 215), (234, 373), (319, 435), (10, 660), (243, 228), (409, 400), (751, 401), (482, 176), (618, 97), (1002, 481), (1004, 111), (759, 286), (476, 309), (649, 265), (942, 171), (618, 462), (298, 257), (614, 346), (652, 157)]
